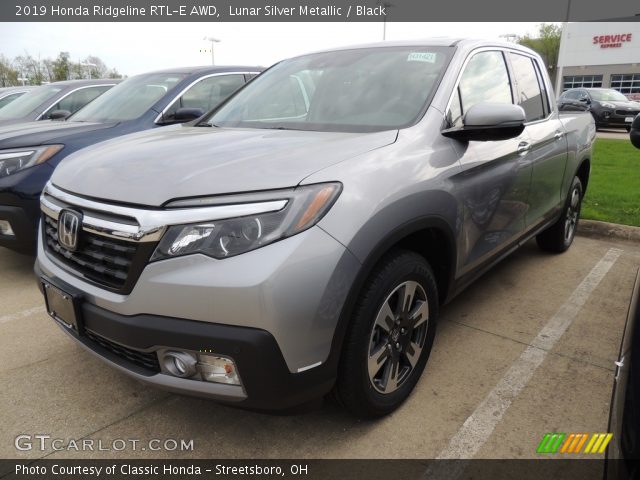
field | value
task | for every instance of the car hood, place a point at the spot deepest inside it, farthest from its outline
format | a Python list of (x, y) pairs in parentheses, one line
[(43, 132), (153, 167), (622, 105)]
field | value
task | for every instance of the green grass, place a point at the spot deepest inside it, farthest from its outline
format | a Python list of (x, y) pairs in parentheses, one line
[(613, 193)]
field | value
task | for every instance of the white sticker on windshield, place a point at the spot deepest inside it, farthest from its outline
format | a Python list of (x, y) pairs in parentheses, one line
[(428, 57)]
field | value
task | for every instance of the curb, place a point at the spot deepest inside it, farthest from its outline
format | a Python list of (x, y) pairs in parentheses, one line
[(593, 228)]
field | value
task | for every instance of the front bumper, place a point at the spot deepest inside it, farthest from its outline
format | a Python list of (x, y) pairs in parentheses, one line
[(266, 380), (274, 311), (20, 205), (611, 118)]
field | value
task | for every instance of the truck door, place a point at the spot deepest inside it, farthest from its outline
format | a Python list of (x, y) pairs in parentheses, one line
[(548, 143), (492, 188)]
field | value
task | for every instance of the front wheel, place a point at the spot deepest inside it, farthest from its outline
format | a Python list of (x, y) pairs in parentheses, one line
[(390, 337), (559, 236)]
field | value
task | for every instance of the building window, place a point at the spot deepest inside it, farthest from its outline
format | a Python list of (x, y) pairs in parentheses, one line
[(626, 83), (581, 81)]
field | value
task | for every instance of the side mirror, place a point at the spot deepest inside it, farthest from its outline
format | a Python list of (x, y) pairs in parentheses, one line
[(489, 122), (635, 132), (59, 115), (586, 100), (186, 114)]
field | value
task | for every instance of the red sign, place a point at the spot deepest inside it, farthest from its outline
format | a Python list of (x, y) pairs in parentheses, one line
[(612, 41)]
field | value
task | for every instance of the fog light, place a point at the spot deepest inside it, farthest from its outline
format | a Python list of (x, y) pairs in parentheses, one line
[(5, 228), (180, 364), (218, 369)]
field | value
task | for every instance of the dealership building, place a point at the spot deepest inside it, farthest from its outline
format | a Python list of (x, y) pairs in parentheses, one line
[(594, 54)]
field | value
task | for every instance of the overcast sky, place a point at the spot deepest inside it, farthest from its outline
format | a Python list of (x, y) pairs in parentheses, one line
[(139, 47)]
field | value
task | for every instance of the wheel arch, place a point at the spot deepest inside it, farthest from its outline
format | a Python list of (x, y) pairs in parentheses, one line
[(427, 236), (583, 171)]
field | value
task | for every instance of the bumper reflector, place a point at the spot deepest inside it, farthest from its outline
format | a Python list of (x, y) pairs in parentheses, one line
[(218, 369), (5, 228)]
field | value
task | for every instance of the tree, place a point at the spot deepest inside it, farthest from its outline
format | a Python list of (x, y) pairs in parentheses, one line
[(547, 45), (8, 74), (30, 68), (61, 67)]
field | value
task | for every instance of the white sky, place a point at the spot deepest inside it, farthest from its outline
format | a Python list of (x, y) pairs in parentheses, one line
[(135, 48)]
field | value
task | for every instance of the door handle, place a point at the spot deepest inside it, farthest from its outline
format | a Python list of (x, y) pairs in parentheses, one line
[(558, 135), (524, 147)]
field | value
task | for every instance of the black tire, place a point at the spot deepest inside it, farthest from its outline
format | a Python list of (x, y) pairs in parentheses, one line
[(559, 236), (360, 393)]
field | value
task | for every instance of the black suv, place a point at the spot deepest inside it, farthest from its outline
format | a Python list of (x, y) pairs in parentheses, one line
[(610, 108)]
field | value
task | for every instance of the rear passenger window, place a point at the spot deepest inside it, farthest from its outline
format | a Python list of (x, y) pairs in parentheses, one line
[(485, 79), (530, 96)]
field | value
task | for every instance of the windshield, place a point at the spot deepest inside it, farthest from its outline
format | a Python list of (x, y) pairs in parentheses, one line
[(356, 90), (129, 99), (607, 96), (24, 105)]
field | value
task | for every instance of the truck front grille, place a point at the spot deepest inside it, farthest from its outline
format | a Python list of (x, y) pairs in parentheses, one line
[(111, 263)]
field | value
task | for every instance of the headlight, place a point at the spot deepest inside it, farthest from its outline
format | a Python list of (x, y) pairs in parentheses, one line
[(607, 105), (225, 238), (12, 161)]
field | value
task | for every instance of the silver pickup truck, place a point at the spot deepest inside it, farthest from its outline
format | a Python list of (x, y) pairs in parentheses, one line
[(302, 237)]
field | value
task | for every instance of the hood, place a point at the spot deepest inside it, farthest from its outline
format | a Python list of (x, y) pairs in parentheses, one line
[(621, 105), (43, 132), (153, 167)]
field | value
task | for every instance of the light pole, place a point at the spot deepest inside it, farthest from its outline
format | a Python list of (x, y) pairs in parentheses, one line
[(212, 40), (87, 64), (384, 4), (509, 37)]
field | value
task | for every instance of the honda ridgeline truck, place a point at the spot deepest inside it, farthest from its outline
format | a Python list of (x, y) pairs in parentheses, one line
[(302, 237)]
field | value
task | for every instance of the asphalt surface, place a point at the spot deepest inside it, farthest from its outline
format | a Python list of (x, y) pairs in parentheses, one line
[(613, 133), (528, 349)]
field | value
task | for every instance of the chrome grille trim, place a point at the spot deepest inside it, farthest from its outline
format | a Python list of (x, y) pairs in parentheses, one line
[(151, 223)]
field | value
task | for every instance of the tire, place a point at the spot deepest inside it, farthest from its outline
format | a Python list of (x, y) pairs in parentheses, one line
[(373, 335), (559, 236)]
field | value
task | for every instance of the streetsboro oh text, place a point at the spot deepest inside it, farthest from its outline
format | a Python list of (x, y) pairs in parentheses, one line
[(168, 469)]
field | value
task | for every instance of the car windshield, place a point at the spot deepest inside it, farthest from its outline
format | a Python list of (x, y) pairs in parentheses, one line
[(130, 99), (24, 105), (607, 96), (357, 90)]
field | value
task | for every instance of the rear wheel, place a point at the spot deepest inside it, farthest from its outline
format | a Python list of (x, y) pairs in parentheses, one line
[(559, 237), (391, 335)]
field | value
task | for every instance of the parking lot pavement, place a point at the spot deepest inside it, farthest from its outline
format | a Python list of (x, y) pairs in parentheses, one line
[(578, 299), (613, 133)]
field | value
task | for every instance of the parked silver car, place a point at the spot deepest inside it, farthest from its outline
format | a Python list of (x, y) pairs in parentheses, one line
[(303, 236), (9, 94)]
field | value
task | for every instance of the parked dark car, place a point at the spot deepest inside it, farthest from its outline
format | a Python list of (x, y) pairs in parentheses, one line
[(623, 456), (9, 94), (635, 132), (30, 151), (610, 108), (55, 100)]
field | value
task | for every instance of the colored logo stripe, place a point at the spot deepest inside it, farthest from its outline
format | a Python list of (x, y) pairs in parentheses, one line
[(598, 443), (550, 442), (562, 443)]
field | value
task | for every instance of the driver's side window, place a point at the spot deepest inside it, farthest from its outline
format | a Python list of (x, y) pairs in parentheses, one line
[(206, 94), (485, 79)]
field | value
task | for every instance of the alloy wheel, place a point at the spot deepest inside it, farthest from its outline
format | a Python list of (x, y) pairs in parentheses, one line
[(398, 337)]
